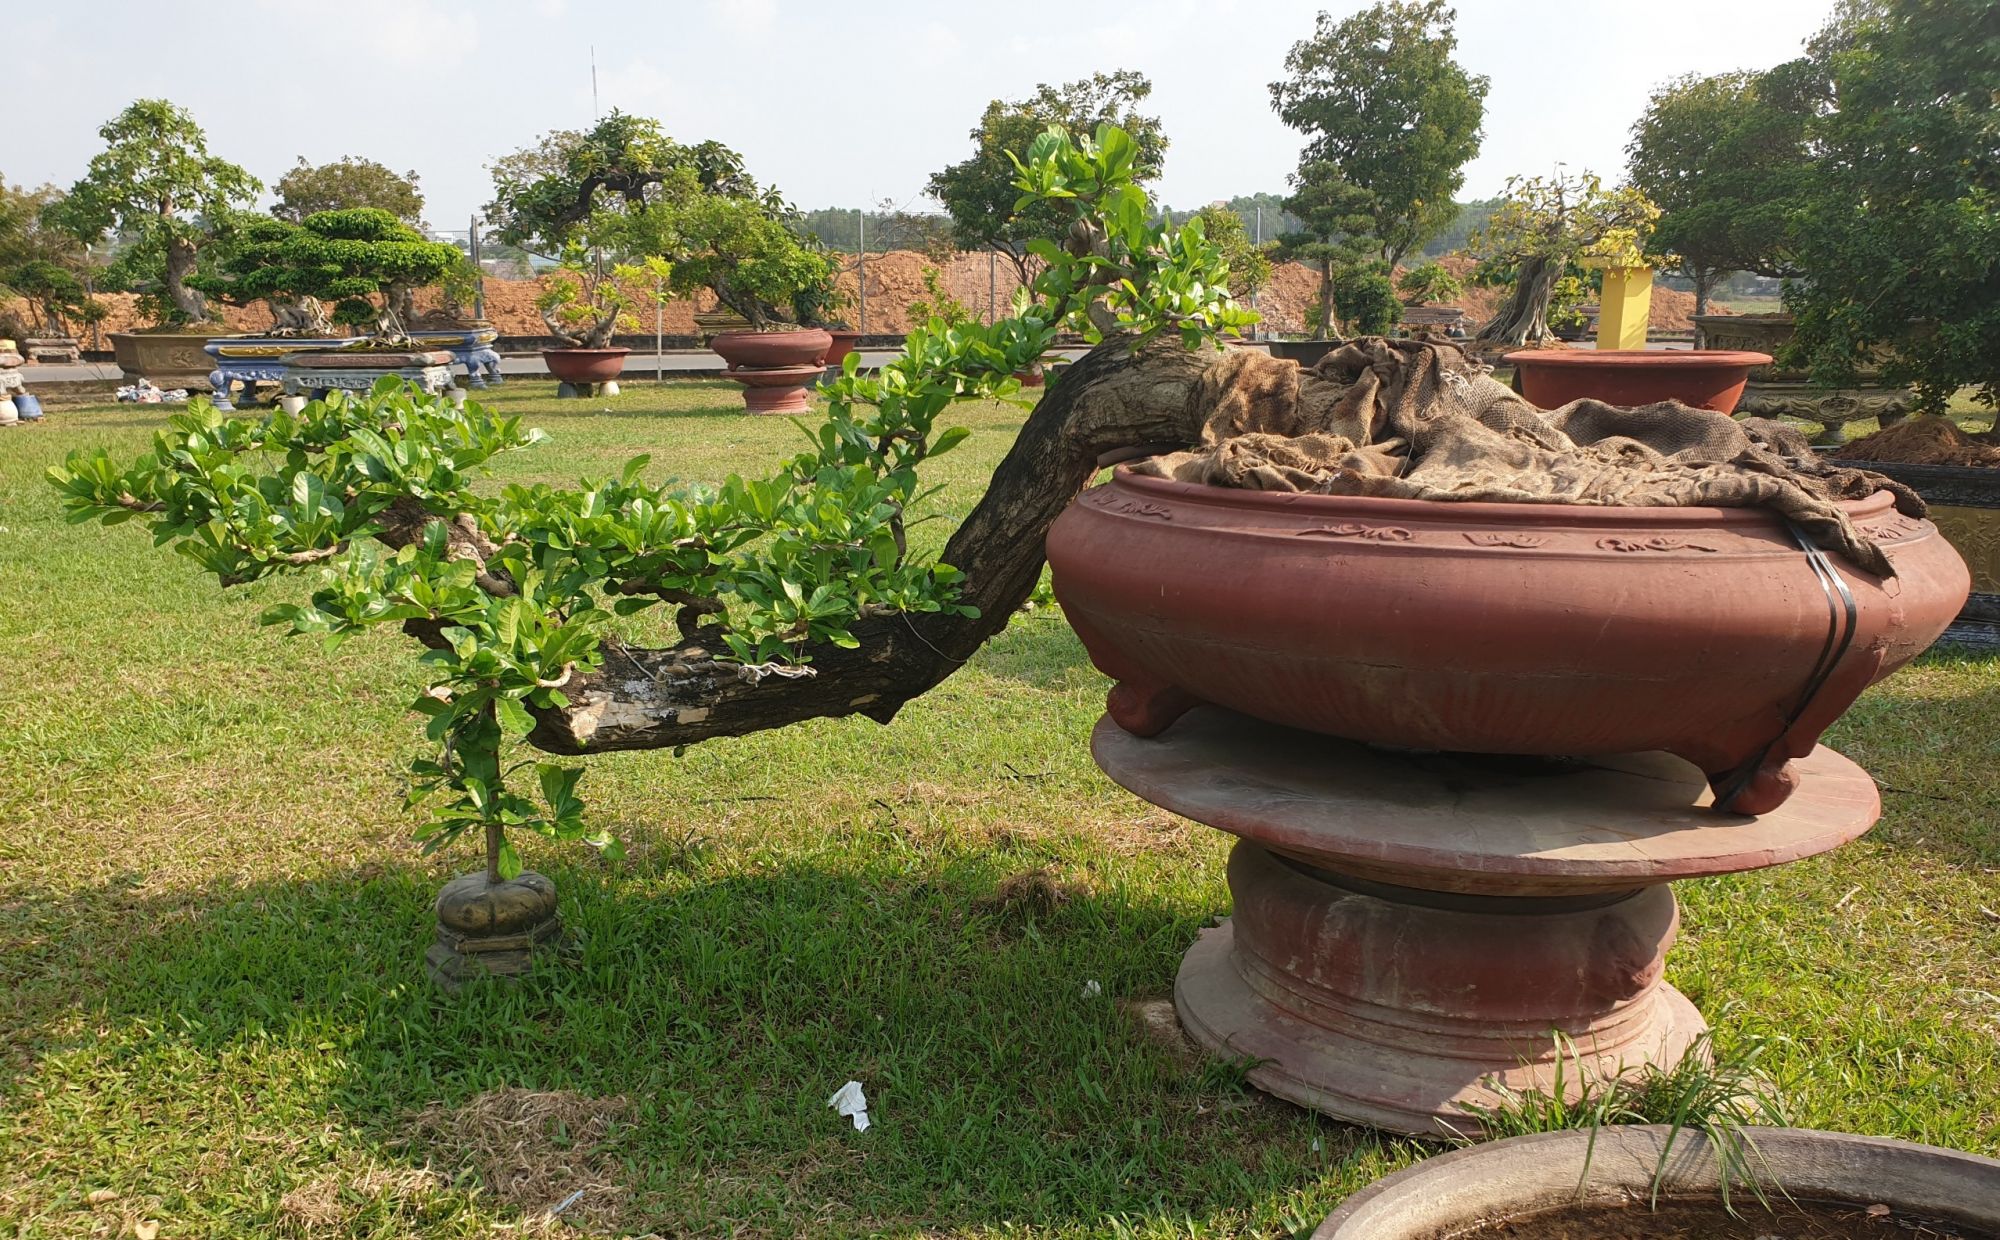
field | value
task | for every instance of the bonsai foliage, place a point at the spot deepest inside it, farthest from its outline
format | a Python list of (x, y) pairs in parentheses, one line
[(1249, 263), (1387, 112), (978, 192), (42, 265), (938, 304), (156, 184), (1367, 301), (1725, 160), (1336, 236), (1542, 227), (1429, 283), (1897, 235), (356, 268), (347, 183), (513, 591)]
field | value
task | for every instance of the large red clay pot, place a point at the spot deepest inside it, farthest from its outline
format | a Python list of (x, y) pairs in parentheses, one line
[(805, 347), (1494, 628), (1703, 378), (844, 343), (585, 365), (775, 389)]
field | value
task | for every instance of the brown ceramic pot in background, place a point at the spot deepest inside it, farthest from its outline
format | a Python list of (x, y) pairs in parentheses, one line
[(806, 347), (585, 365), (844, 343), (1493, 628), (1703, 378)]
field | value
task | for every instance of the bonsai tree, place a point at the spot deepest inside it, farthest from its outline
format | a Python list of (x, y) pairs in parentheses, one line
[(1388, 110), (1541, 228), (344, 184), (745, 250), (1335, 238), (43, 266), (57, 297), (979, 193), (357, 268), (790, 597), (1428, 283), (1366, 300), (1249, 263), (1725, 159), (157, 185)]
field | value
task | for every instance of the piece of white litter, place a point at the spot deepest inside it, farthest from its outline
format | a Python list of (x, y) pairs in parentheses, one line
[(1091, 990), (849, 1100)]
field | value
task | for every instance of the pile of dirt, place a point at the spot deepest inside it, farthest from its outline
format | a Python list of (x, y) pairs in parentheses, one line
[(1927, 440)]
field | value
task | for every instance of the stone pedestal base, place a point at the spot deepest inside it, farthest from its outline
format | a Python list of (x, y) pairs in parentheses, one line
[(1783, 398), (1396, 1008), (1411, 927), (489, 929)]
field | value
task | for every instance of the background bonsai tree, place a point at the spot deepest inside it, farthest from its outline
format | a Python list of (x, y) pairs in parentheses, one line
[(1429, 283), (1541, 228), (1388, 112), (1894, 231), (512, 590), (347, 183), (979, 192), (357, 268), (1724, 158), (1336, 237), (1249, 263), (43, 266), (157, 185)]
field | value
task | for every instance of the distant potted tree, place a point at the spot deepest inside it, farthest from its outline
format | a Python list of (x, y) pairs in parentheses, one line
[(157, 186), (47, 269)]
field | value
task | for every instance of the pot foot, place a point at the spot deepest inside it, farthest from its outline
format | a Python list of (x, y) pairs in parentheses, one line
[(1764, 789), (489, 929), (1146, 709)]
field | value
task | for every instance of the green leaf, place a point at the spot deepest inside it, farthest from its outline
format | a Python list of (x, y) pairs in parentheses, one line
[(510, 861)]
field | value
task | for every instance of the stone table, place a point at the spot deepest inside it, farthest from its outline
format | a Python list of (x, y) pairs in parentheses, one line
[(1411, 928), (316, 374)]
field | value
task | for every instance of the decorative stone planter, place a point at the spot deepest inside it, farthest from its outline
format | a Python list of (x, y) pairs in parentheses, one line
[(709, 324), (580, 370), (1703, 378), (1453, 1193), (251, 360), (1690, 630), (471, 346), (163, 359), (492, 928), (1965, 506), (1776, 391), (52, 350), (316, 374)]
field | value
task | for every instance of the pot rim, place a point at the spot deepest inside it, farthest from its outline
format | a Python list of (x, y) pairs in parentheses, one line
[(1651, 359), (790, 330), (588, 352), (1473, 512), (1813, 1163)]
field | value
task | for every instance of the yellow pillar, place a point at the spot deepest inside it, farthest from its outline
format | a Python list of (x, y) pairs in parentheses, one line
[(1625, 307)]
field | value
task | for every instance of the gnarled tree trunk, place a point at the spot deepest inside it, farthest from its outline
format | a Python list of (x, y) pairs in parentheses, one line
[(1523, 319), (1106, 405), (180, 265)]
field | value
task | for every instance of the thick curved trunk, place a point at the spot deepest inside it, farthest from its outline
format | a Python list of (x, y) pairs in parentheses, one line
[(180, 265), (1108, 403), (1523, 319)]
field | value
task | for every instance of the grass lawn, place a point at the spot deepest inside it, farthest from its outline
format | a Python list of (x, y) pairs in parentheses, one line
[(212, 1014)]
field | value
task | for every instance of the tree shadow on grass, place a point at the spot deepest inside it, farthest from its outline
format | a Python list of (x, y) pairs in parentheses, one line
[(725, 1008)]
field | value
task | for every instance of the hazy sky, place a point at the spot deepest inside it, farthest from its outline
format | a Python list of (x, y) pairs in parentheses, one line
[(837, 103)]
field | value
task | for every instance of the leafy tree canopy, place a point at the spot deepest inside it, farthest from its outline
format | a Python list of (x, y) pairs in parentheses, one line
[(1898, 229), (1387, 110), (978, 192), (352, 260), (1430, 282), (41, 264), (1337, 235), (157, 185), (1542, 227), (1249, 263), (1725, 159), (346, 183)]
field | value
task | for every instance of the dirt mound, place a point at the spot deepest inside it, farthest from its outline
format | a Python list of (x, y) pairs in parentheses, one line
[(1927, 440)]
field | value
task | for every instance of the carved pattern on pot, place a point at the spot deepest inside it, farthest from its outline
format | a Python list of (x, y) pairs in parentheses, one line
[(1351, 529), (1898, 526), (1488, 538), (1130, 507), (1659, 542)]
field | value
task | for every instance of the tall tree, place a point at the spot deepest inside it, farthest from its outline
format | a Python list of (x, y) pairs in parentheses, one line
[(1725, 161), (1336, 236), (1387, 110), (1539, 230), (1898, 237), (345, 184), (156, 184), (979, 194)]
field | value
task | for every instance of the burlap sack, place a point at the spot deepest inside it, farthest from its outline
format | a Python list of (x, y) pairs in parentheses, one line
[(1417, 419)]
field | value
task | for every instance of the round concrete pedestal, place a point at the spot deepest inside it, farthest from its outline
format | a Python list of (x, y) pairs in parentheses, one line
[(1411, 929)]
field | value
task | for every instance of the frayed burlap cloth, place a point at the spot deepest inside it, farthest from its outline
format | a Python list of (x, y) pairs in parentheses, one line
[(1409, 419)]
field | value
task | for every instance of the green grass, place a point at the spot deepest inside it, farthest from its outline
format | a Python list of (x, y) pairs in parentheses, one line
[(211, 919)]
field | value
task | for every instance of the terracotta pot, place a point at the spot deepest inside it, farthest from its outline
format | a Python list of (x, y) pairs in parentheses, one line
[(1703, 378), (1615, 1166), (764, 349), (843, 344), (775, 389), (585, 365), (164, 359), (1492, 628)]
